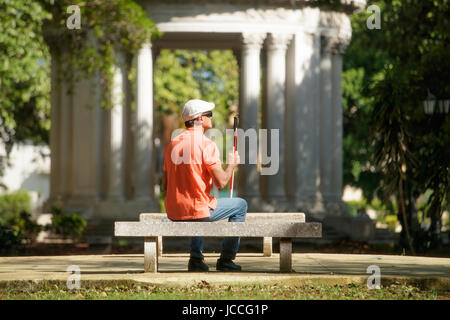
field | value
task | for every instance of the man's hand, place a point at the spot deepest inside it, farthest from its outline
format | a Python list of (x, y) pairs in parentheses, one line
[(221, 177), (234, 159)]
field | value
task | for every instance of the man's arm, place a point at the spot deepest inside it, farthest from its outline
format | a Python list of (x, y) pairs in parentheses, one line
[(220, 176)]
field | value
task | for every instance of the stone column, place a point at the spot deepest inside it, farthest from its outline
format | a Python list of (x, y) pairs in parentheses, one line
[(114, 152), (326, 132), (336, 178), (331, 124), (55, 134), (143, 128), (276, 107), (85, 169), (301, 129), (315, 65), (66, 141), (61, 134), (291, 123), (250, 99)]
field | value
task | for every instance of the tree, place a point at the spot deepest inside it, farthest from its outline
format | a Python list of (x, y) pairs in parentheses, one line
[(181, 75), (363, 64), (392, 148), (33, 31), (24, 70), (107, 27), (412, 148)]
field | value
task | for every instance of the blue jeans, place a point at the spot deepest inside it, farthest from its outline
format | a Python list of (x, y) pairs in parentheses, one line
[(235, 210)]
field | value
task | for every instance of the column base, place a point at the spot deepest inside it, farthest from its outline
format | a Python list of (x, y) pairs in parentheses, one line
[(84, 206), (258, 204), (319, 206), (55, 201), (254, 202), (111, 209), (278, 204), (100, 225), (337, 224), (125, 210), (321, 209)]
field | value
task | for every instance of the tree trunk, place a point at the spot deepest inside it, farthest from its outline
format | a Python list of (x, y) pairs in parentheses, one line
[(436, 223), (402, 208)]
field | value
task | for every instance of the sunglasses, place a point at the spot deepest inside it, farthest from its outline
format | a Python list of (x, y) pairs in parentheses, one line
[(207, 114)]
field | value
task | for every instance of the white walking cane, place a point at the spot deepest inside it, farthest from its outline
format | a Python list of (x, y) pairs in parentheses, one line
[(234, 150)]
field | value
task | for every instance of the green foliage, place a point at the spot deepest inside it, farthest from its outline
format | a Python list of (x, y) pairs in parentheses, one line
[(11, 242), (11, 204), (107, 28), (15, 210), (181, 75), (15, 221), (391, 147), (174, 81), (380, 207), (391, 221), (68, 225), (30, 30), (24, 75), (385, 213), (411, 148), (355, 206), (363, 65)]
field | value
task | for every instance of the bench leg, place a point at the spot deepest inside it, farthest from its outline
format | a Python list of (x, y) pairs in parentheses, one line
[(150, 254), (285, 254), (267, 247), (160, 246)]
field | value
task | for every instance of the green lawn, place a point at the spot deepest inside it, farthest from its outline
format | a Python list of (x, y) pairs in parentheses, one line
[(204, 290)]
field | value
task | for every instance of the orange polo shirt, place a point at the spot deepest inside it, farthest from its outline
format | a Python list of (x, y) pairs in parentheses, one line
[(188, 161)]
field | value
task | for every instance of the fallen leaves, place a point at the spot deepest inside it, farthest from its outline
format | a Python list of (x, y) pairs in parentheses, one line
[(206, 290)]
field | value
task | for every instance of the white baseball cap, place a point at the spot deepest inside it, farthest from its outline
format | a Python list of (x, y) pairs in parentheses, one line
[(194, 108)]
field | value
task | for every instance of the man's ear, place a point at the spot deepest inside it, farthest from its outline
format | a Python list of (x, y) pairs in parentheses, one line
[(198, 120)]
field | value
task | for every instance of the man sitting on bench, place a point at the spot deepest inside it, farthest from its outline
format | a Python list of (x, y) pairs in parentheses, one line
[(191, 163)]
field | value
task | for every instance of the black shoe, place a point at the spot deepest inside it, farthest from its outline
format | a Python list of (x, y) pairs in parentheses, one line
[(197, 265), (227, 265)]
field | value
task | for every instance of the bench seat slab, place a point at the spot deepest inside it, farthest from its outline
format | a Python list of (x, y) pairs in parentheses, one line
[(211, 229)]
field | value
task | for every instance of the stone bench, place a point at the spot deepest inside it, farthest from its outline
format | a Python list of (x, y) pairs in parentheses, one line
[(150, 230), (250, 217)]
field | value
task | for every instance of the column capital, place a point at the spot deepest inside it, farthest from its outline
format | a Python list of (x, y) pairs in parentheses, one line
[(279, 41), (145, 46), (252, 40), (333, 45)]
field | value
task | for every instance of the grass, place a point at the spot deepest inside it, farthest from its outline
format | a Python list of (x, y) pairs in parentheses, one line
[(205, 291)]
